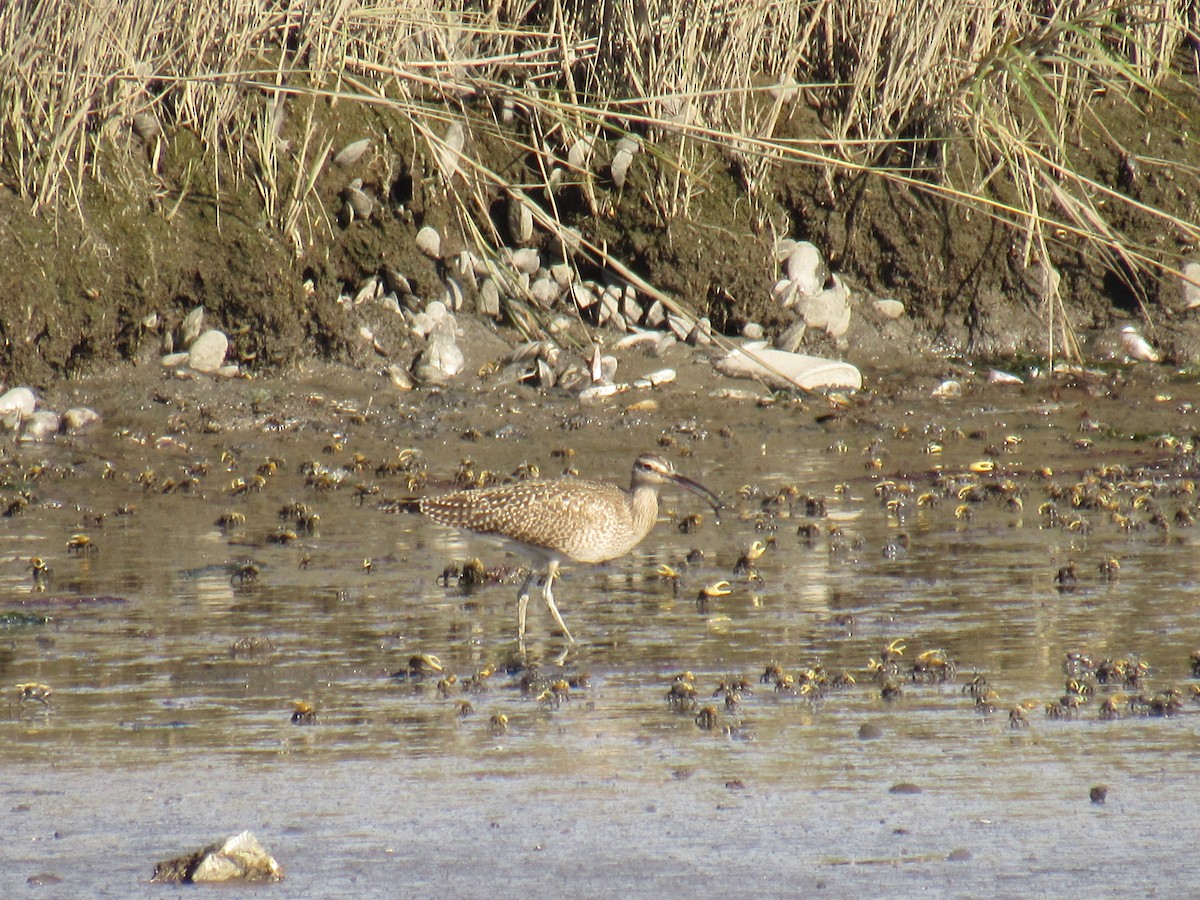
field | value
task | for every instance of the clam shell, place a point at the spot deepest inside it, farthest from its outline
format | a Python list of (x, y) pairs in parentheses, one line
[(352, 152), (429, 242), (449, 153)]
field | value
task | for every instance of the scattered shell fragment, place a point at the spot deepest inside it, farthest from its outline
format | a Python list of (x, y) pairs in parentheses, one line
[(352, 152), (429, 242)]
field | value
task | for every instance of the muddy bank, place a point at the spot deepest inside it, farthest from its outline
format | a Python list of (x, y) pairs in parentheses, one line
[(108, 279)]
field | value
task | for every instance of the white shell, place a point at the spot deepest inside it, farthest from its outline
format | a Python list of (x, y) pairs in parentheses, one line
[(429, 242), (779, 368), (1137, 347), (806, 268), (352, 152), (889, 309), (999, 376), (621, 162), (207, 353), (526, 260), (192, 325), (520, 221), (20, 400), (1190, 285), (449, 153)]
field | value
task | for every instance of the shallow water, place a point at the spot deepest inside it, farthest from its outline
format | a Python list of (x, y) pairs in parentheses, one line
[(159, 738)]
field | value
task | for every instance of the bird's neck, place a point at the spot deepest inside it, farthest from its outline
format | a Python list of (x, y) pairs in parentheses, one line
[(643, 509)]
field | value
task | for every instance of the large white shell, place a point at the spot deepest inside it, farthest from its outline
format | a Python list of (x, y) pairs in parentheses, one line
[(621, 162), (352, 152), (806, 268), (526, 260), (1137, 347), (779, 368), (429, 242)]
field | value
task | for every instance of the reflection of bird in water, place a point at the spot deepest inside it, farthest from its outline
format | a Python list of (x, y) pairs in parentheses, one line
[(563, 520)]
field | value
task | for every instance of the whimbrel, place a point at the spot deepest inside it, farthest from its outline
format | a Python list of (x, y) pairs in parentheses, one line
[(564, 519)]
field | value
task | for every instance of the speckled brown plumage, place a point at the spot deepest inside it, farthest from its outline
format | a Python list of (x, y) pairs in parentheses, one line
[(563, 519)]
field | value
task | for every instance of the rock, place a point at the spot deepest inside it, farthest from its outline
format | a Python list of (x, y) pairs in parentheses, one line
[(240, 858), (19, 400), (1190, 285), (42, 426), (752, 331), (888, 309), (948, 389), (229, 370), (79, 417), (171, 360), (207, 353), (781, 369)]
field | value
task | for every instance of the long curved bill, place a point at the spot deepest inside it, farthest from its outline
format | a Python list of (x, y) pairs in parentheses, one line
[(700, 491)]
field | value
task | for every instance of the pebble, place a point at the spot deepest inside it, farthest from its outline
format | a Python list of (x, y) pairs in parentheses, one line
[(207, 353), (949, 388), (19, 400), (171, 360), (806, 268)]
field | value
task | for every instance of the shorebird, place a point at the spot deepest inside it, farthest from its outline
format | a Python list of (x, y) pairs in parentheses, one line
[(560, 520)]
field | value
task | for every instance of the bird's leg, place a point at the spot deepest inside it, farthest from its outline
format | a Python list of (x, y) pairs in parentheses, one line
[(548, 595), (523, 605)]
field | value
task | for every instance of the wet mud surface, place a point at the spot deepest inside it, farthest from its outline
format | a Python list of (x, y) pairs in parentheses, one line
[(174, 667)]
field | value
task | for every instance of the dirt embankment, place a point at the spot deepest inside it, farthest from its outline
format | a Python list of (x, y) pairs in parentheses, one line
[(105, 280)]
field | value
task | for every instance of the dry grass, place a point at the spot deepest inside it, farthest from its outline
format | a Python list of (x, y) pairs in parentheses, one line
[(901, 86)]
